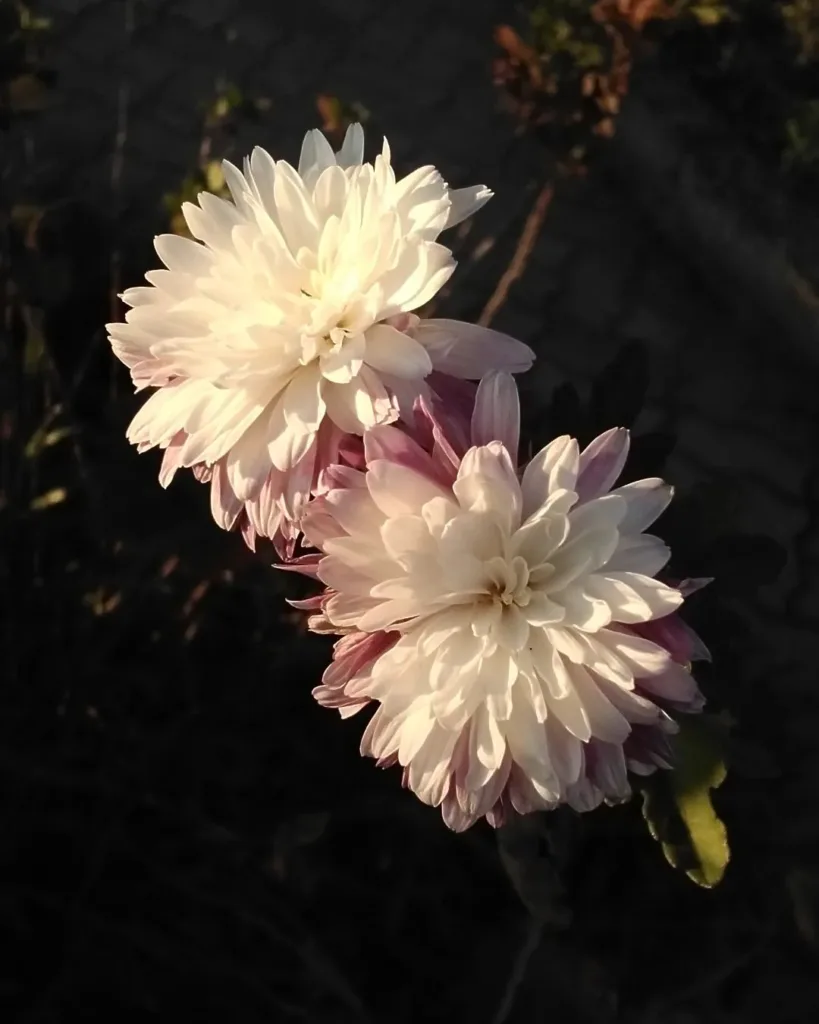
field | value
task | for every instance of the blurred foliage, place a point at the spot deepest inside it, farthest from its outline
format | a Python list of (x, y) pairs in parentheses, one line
[(802, 137), (802, 20), (700, 528), (229, 108), (337, 115), (186, 836), (567, 70), (677, 805), (25, 79)]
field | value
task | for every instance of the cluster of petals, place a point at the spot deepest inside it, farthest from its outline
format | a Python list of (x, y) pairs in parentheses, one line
[(286, 325), (507, 623)]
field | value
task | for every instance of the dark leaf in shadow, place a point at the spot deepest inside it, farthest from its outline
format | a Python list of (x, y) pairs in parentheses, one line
[(533, 850), (619, 393), (563, 415), (744, 561), (648, 455)]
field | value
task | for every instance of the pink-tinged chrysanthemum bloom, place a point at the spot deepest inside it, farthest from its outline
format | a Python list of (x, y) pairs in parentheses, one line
[(509, 626), (290, 322)]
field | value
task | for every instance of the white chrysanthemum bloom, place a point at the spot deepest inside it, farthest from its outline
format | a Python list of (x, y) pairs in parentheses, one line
[(504, 615), (291, 321)]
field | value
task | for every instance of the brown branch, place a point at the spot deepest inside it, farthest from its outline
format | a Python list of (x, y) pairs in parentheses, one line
[(517, 265)]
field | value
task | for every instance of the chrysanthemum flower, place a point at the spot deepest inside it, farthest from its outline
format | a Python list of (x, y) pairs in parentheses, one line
[(502, 622), (290, 322)]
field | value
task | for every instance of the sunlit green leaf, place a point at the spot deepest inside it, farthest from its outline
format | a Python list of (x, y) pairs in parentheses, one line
[(44, 438), (31, 22), (34, 349), (710, 12), (230, 97), (214, 176), (53, 497), (677, 804)]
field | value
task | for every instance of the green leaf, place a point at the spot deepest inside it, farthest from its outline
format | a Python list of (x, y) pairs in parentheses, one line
[(214, 176), (709, 13), (44, 438), (34, 349), (677, 804), (55, 496), (31, 22)]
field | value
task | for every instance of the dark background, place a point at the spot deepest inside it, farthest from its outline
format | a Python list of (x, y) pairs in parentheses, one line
[(184, 834)]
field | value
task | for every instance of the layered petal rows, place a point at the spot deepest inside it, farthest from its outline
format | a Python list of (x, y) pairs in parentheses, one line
[(509, 625), (288, 322), (504, 623)]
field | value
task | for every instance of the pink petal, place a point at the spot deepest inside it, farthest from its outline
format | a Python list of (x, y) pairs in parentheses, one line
[(171, 460), (225, 506), (298, 484), (496, 416), (467, 350), (386, 442), (601, 463)]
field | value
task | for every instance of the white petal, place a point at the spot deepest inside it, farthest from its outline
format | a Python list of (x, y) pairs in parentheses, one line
[(548, 664), (344, 363), (542, 611), (362, 403), (392, 351), (286, 444), (632, 706), (644, 657), (239, 188), (316, 154), (466, 201), (295, 210), (605, 720), (512, 631), (352, 149), (647, 500), (431, 767), (489, 742), (302, 401), (554, 467), (184, 255), (415, 732), (263, 176), (632, 597), (248, 462), (487, 483), (571, 713), (538, 539), (642, 554), (527, 742), (583, 610), (355, 511), (606, 513), (329, 198), (414, 283)]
